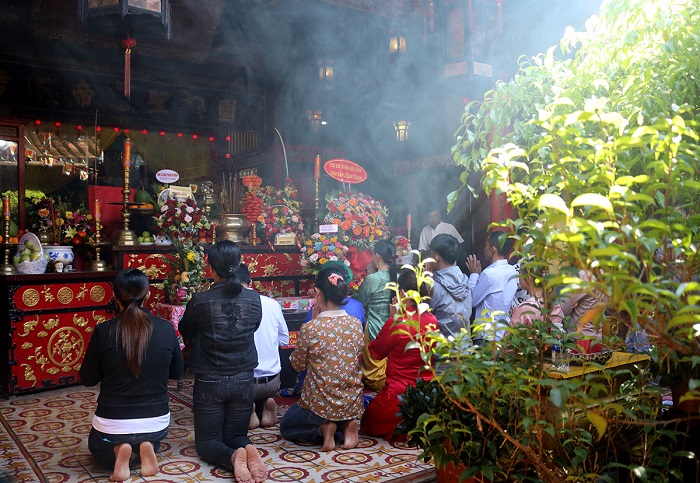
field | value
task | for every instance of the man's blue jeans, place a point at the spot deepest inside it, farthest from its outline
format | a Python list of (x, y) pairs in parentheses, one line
[(222, 406)]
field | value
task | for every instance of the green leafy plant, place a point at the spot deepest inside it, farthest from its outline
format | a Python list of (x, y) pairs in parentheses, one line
[(598, 151), (600, 155)]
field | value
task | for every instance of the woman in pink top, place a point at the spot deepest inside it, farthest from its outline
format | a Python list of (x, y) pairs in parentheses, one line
[(403, 366)]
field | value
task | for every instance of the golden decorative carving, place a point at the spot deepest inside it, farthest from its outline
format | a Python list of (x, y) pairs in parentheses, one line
[(29, 326), (51, 323), (65, 295), (82, 292), (98, 318), (29, 374), (30, 297), (66, 346), (43, 333), (252, 264), (27, 345), (48, 296), (40, 358), (132, 258), (269, 270), (288, 257), (79, 321), (52, 370), (97, 293), (159, 286), (153, 271)]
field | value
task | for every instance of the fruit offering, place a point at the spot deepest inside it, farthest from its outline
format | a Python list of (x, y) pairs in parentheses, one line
[(29, 251), (146, 237)]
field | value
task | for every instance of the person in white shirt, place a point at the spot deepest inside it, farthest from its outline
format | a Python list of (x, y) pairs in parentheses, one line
[(436, 227), (493, 288), (271, 334)]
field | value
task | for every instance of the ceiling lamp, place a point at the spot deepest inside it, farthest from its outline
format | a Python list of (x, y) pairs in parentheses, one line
[(325, 70), (401, 128), (157, 8), (397, 42)]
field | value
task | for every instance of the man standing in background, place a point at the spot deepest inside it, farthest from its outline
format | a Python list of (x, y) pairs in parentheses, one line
[(434, 227)]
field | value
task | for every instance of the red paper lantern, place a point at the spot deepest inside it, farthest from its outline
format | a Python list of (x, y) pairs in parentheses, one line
[(144, 132)]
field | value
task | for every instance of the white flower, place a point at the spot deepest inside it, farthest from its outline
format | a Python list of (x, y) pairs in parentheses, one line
[(189, 209), (188, 218), (333, 258), (313, 258), (315, 236), (347, 262)]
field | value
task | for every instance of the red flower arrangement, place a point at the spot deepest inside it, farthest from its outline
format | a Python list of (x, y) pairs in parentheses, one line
[(183, 221), (281, 212), (360, 218)]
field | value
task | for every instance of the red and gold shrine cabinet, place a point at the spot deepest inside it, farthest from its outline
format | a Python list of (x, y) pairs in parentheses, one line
[(46, 324), (277, 272)]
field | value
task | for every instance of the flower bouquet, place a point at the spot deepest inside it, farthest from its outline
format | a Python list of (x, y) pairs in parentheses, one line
[(281, 211), (77, 226), (186, 274), (403, 249), (360, 218), (58, 224), (320, 249), (183, 221)]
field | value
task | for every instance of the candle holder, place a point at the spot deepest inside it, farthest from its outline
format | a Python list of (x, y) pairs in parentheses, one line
[(126, 237), (7, 268), (97, 265)]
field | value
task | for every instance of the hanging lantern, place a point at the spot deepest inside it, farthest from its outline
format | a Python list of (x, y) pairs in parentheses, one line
[(156, 8)]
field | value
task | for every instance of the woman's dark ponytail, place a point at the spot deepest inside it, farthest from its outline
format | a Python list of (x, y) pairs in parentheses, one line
[(387, 250), (225, 258), (134, 326)]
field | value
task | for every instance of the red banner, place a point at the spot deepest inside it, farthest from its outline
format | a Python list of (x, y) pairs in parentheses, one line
[(345, 171)]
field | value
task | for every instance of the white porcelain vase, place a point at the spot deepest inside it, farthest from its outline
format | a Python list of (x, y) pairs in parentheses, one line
[(60, 253)]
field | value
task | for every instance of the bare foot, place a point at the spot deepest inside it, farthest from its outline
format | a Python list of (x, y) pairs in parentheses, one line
[(239, 461), (149, 462), (254, 421), (269, 415), (121, 465), (328, 432), (256, 465), (352, 438)]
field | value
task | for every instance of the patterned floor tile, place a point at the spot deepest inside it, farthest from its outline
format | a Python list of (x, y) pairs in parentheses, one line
[(43, 438)]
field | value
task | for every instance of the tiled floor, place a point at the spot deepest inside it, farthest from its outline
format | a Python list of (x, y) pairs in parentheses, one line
[(43, 438)]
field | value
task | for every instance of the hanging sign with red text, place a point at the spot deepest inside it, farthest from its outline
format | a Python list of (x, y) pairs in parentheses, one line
[(345, 171)]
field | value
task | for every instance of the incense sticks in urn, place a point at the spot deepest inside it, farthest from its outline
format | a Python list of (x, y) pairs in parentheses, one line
[(228, 194)]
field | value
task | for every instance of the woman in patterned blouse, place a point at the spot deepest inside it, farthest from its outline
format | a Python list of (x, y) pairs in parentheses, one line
[(329, 348)]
